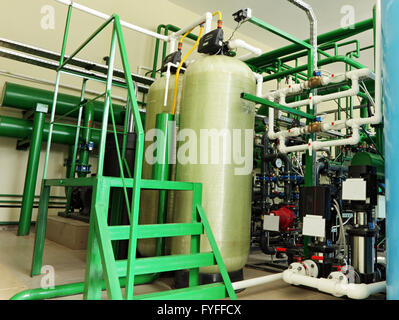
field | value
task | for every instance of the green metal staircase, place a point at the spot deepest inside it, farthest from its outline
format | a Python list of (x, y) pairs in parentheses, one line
[(101, 265), (101, 261)]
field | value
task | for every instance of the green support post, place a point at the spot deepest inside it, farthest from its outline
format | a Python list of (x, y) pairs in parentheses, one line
[(25, 218), (86, 137), (160, 169)]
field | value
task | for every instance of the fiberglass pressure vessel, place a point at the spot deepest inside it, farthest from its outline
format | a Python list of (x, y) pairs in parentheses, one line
[(149, 198), (211, 105)]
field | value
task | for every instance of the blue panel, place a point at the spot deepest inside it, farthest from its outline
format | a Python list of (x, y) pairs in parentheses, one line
[(390, 40)]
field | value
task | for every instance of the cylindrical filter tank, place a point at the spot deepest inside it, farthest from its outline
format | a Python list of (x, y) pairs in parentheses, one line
[(149, 198), (217, 152)]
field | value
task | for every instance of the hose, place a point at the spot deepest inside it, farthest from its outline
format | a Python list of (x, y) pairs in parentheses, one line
[(181, 64)]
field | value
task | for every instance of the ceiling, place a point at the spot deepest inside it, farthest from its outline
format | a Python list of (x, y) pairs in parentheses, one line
[(286, 16)]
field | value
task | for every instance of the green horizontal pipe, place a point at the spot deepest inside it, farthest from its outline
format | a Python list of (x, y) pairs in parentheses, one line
[(21, 195), (25, 98), (72, 289), (335, 35), (264, 25), (323, 62), (22, 129), (277, 106)]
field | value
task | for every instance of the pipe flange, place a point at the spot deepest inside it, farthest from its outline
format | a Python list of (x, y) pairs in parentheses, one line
[(297, 268), (338, 276), (311, 268)]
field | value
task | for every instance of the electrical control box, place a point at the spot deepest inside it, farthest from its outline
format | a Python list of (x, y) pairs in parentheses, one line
[(242, 15), (314, 226), (271, 223), (354, 189), (315, 201), (212, 42), (174, 58), (360, 190)]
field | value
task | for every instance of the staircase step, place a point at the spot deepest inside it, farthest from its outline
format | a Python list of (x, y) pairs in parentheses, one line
[(167, 263), (203, 292), (157, 230)]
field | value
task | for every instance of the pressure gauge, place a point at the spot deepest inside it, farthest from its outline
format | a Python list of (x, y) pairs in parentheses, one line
[(278, 163)]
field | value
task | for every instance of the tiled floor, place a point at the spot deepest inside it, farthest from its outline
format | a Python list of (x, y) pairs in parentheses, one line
[(69, 265)]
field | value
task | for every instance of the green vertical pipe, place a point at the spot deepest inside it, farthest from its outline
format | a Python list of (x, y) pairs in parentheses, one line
[(86, 136), (75, 147), (160, 169), (68, 164), (157, 42), (25, 218)]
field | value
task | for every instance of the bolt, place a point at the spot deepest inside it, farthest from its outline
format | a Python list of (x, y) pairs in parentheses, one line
[(299, 268), (312, 265), (329, 277), (341, 278), (290, 267)]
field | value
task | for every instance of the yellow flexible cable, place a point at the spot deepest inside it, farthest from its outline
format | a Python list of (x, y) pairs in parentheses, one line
[(185, 35), (217, 13), (178, 69)]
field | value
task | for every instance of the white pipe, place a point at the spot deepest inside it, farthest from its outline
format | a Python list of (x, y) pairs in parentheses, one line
[(325, 126), (207, 18), (208, 22), (256, 281), (106, 17), (259, 84), (238, 43), (337, 286), (165, 101)]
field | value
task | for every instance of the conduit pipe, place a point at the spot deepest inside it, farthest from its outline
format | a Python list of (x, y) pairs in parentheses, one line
[(313, 28), (336, 285), (238, 43)]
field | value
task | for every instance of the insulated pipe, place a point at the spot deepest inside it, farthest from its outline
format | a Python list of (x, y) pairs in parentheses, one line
[(22, 129), (256, 281), (337, 285), (313, 27), (25, 98), (106, 17), (25, 218)]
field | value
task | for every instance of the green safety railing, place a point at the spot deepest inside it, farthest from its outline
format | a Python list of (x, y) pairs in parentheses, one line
[(101, 266)]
